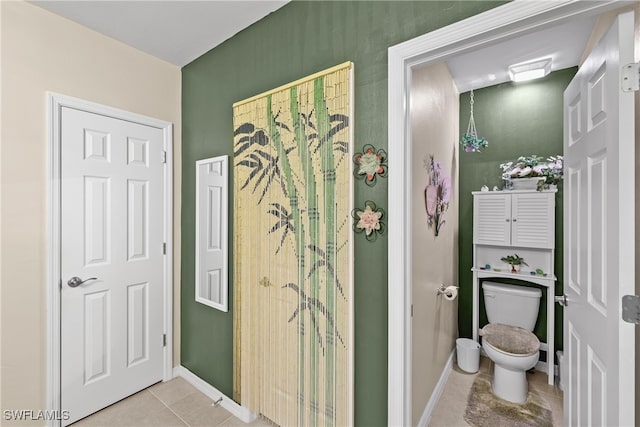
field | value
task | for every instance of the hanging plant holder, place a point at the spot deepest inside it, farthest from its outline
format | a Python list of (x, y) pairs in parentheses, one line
[(471, 142)]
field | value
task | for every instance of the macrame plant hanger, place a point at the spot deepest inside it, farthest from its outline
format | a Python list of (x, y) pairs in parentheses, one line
[(471, 142)]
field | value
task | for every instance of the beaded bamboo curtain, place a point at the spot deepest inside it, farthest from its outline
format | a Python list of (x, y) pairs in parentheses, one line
[(293, 287)]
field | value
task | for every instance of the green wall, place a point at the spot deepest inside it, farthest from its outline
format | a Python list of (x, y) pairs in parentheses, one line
[(300, 39), (518, 119)]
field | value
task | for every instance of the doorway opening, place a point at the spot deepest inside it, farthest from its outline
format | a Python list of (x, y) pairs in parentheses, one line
[(506, 22)]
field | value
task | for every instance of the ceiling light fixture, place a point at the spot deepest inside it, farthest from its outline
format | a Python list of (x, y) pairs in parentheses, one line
[(530, 70)]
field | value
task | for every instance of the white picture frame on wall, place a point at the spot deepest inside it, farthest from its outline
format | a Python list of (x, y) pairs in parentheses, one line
[(211, 274)]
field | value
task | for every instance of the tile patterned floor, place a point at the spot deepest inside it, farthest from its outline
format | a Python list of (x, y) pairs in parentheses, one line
[(449, 410), (175, 403)]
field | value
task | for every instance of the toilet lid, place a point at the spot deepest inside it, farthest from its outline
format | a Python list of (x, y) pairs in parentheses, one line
[(510, 339)]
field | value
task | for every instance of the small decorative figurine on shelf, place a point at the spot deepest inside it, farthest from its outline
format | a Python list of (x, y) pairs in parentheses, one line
[(515, 261)]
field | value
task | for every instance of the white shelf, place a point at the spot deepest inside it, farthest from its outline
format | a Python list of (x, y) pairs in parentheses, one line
[(512, 192), (522, 222), (507, 274)]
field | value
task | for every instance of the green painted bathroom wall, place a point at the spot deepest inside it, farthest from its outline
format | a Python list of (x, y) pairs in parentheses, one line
[(518, 119), (300, 39)]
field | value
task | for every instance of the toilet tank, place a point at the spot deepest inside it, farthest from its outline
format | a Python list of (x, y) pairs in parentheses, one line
[(511, 304)]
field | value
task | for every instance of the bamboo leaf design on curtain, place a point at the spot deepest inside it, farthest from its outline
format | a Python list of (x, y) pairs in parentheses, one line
[(295, 154), (285, 221), (325, 132)]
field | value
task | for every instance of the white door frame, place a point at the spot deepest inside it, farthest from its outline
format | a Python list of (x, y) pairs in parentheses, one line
[(507, 21), (55, 103)]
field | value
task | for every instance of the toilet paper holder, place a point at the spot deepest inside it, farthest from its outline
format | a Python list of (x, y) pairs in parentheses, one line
[(450, 292)]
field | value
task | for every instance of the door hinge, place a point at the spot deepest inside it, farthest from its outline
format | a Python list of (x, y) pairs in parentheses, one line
[(164, 340), (631, 309), (411, 310), (164, 249), (630, 77), (164, 157)]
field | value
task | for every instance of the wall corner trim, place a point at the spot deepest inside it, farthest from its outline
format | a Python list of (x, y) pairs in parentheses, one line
[(437, 391), (213, 393)]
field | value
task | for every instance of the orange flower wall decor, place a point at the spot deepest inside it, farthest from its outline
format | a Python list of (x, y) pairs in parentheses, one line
[(371, 164)]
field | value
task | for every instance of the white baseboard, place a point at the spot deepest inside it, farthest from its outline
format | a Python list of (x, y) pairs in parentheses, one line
[(437, 391), (213, 393)]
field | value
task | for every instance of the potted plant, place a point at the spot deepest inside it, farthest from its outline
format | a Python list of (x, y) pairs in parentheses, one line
[(515, 261), (529, 172), (553, 171)]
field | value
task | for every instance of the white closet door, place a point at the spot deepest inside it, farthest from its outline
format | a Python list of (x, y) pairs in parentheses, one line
[(112, 202)]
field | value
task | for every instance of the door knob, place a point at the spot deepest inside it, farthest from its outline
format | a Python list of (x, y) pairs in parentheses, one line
[(75, 281), (562, 300)]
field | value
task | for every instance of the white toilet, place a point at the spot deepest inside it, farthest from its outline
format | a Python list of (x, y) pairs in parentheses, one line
[(507, 340)]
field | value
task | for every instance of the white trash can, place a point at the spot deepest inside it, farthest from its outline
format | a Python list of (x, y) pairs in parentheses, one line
[(468, 354)]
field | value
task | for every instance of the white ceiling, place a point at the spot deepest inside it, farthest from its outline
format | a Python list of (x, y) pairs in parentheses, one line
[(180, 31), (176, 31), (488, 66)]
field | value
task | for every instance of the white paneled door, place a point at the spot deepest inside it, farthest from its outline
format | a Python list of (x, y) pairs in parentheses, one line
[(599, 236), (112, 260)]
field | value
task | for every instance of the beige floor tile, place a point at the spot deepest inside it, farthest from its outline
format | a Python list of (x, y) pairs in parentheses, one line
[(171, 391), (197, 410), (538, 382), (458, 386), (449, 410), (485, 364), (141, 409), (557, 412), (448, 415), (236, 422)]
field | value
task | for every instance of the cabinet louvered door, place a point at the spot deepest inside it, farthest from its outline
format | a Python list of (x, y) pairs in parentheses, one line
[(492, 223), (533, 220)]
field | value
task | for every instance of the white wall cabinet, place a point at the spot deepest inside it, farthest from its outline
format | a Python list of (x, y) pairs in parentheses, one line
[(516, 222), (524, 219)]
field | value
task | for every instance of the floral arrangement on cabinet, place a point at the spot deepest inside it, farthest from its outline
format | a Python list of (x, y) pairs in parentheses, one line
[(548, 173), (437, 194)]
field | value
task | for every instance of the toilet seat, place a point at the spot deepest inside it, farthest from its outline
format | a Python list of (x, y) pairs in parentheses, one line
[(512, 340)]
